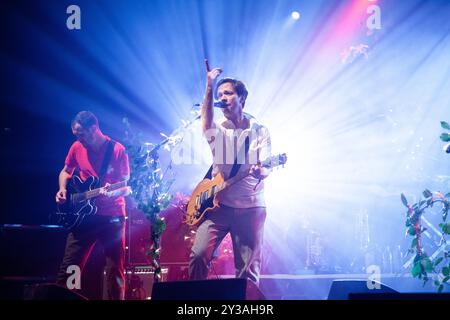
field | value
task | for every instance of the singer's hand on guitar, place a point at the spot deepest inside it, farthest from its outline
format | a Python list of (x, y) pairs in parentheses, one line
[(258, 172), (255, 171), (61, 196)]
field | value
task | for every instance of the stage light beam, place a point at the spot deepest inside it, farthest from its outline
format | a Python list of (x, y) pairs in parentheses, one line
[(295, 15)]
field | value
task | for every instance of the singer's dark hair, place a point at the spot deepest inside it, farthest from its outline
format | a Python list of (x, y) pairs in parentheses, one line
[(86, 119), (238, 85)]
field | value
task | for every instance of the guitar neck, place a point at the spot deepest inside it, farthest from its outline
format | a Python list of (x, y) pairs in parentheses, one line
[(96, 192), (271, 162)]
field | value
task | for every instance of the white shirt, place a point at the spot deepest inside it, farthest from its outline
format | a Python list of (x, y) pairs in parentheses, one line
[(226, 142)]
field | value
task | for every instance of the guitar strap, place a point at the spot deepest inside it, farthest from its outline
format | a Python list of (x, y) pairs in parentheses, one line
[(236, 166), (106, 160), (208, 175)]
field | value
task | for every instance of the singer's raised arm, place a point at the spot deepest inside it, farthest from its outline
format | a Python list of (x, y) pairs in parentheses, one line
[(207, 108)]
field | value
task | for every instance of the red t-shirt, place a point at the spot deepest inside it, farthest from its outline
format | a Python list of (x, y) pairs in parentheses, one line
[(90, 163)]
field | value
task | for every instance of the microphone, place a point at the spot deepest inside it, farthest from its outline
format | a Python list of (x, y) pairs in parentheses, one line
[(217, 104), (220, 104)]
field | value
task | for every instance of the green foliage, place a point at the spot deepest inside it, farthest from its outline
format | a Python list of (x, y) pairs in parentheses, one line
[(150, 188), (417, 269), (404, 201), (427, 194), (414, 242), (423, 266), (445, 136), (445, 125), (445, 271), (427, 264), (438, 260), (445, 227)]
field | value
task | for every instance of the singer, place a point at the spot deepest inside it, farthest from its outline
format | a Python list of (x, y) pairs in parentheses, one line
[(242, 210)]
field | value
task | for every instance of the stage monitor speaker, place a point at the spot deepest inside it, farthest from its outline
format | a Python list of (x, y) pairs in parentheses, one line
[(50, 291), (342, 289), (223, 289)]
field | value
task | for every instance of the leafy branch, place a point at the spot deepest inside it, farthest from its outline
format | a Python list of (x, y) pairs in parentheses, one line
[(423, 266), (150, 189), (149, 184)]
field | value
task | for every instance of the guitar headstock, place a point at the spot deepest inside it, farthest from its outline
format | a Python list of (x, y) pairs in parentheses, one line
[(282, 159), (275, 161)]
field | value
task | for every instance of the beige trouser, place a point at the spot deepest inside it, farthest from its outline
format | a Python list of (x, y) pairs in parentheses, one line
[(246, 227)]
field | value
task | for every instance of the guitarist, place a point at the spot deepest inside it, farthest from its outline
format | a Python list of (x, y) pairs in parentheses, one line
[(241, 211), (107, 226)]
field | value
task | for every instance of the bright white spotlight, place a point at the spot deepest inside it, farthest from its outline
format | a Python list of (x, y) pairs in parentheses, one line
[(295, 15)]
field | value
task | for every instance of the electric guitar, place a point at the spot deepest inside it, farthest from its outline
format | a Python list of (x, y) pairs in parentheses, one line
[(204, 197), (81, 200)]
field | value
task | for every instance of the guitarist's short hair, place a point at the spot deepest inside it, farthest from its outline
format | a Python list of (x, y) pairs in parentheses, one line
[(86, 119), (238, 85)]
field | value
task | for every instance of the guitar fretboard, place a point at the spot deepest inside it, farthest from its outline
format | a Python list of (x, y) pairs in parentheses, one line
[(96, 192)]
